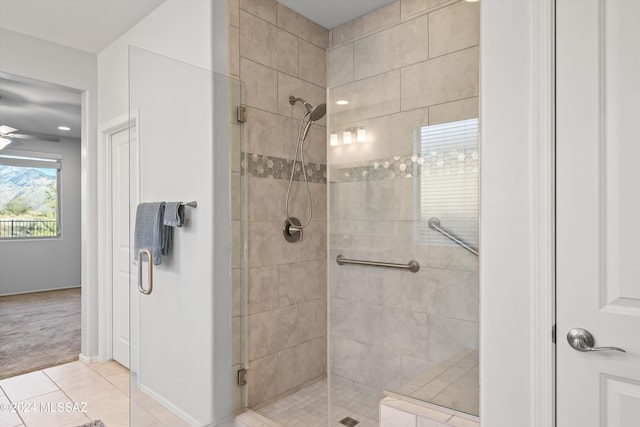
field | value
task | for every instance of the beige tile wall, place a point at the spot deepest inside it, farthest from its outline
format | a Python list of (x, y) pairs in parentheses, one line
[(399, 65), (276, 53), (410, 64)]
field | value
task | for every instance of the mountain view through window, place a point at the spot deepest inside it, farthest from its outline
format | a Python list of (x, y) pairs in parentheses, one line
[(28, 202)]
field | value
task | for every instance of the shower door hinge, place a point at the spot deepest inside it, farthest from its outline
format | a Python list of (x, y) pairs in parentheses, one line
[(242, 377), (553, 334), (241, 114)]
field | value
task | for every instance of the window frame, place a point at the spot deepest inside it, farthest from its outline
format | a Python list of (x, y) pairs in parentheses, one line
[(35, 159)]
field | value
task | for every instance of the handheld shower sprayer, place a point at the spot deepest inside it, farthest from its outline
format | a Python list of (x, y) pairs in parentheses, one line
[(314, 113), (292, 226)]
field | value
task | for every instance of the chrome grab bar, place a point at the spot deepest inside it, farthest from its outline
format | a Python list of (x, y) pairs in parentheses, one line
[(150, 258), (413, 265), (434, 224)]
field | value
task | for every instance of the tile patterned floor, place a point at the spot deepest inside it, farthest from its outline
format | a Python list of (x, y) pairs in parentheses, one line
[(452, 384), (75, 393), (308, 407)]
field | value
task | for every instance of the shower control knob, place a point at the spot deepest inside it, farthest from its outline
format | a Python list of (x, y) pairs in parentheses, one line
[(292, 230)]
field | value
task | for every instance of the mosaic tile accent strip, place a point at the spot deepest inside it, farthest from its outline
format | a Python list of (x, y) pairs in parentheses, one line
[(262, 166), (409, 166)]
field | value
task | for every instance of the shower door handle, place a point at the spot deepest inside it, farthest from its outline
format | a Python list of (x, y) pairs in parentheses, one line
[(150, 274), (582, 340)]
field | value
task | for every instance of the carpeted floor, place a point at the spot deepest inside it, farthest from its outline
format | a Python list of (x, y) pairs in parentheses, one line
[(38, 330)]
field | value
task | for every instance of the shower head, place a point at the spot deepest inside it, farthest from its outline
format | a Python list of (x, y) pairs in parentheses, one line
[(316, 113)]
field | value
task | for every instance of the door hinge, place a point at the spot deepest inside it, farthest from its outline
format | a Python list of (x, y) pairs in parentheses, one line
[(242, 377), (553, 334), (241, 114)]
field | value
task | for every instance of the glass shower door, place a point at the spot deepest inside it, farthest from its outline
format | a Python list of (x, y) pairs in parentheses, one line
[(407, 194), (403, 186), (171, 305)]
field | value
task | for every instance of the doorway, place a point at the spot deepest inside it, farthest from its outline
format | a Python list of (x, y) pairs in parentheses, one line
[(119, 179), (40, 224)]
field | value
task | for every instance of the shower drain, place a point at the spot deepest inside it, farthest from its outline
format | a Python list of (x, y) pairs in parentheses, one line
[(349, 422)]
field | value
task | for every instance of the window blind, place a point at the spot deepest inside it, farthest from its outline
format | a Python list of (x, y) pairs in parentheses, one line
[(449, 181)]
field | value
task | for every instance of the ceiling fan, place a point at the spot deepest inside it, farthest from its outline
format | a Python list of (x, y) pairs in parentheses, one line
[(10, 137)]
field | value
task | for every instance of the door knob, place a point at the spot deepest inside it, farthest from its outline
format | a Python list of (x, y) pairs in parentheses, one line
[(582, 340)]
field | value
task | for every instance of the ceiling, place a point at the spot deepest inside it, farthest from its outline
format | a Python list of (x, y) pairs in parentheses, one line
[(39, 108), (331, 13), (91, 26), (87, 25)]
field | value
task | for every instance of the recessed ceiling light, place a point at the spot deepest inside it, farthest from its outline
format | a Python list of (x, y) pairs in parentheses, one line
[(342, 102), (64, 128)]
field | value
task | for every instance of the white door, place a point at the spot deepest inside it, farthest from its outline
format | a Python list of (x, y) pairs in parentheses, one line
[(120, 244), (598, 211)]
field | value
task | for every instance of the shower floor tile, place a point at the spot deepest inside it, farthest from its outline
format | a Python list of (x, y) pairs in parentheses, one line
[(453, 384), (309, 406)]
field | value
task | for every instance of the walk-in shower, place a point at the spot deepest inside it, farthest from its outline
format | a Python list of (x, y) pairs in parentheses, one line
[(292, 229), (386, 177)]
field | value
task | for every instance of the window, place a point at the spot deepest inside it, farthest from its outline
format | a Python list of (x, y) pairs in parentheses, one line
[(29, 194), (449, 181)]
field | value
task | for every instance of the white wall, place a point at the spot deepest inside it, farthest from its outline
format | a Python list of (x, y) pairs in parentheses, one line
[(38, 59), (47, 264), (177, 319), (180, 30), (516, 244)]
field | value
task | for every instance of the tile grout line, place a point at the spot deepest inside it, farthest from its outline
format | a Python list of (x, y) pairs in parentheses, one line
[(17, 413)]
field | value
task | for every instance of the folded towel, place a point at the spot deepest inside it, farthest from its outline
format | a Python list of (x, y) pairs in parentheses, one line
[(150, 233), (167, 239), (174, 214)]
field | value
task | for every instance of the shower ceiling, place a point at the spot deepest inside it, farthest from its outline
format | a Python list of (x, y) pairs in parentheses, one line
[(331, 13)]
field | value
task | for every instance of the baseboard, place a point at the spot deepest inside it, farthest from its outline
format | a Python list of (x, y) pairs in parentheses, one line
[(171, 407), (41, 290), (88, 359)]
